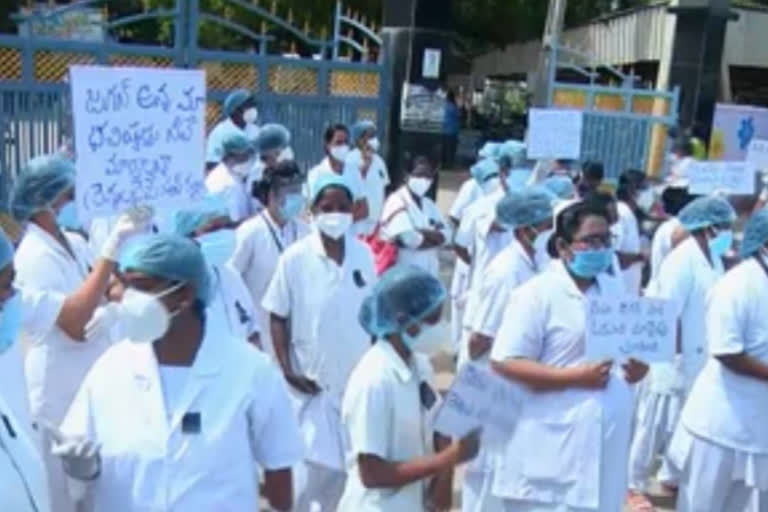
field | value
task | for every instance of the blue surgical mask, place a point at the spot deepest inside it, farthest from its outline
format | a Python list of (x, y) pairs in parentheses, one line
[(10, 321), (588, 264), (292, 206), (720, 243), (67, 217), (218, 246)]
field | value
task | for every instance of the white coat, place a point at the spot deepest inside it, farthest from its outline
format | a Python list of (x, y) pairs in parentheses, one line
[(22, 473), (474, 231), (260, 242), (629, 242), (661, 245), (413, 218), (372, 187), (222, 182), (231, 309), (233, 412), (578, 457)]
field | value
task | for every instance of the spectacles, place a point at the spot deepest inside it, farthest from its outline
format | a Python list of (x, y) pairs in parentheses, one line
[(597, 241)]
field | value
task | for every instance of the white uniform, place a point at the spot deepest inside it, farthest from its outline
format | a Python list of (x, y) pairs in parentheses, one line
[(474, 230), (222, 182), (190, 442), (373, 187), (488, 301), (629, 242), (231, 309), (260, 242), (22, 473), (383, 415), (322, 300), (721, 442), (55, 364), (413, 218), (570, 448), (469, 192), (661, 245), (353, 179), (15, 391)]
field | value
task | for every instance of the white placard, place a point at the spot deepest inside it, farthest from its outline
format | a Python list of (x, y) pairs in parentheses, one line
[(631, 327), (479, 398), (757, 154), (730, 177), (430, 66), (554, 133), (139, 137)]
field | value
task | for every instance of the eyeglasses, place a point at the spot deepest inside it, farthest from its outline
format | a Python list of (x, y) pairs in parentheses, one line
[(597, 241)]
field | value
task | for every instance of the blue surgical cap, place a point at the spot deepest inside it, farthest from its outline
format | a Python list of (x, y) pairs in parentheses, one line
[(6, 250), (484, 169), (512, 154), (325, 180), (404, 295), (489, 150), (235, 100), (755, 233), (561, 186), (43, 180), (524, 208), (361, 127), (236, 144), (188, 221), (517, 179), (170, 257), (705, 212), (273, 137)]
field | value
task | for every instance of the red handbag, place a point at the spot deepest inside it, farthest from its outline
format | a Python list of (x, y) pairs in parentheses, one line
[(384, 252)]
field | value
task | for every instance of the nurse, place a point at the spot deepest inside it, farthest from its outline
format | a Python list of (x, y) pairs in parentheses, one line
[(526, 215), (413, 221), (273, 145), (721, 442), (392, 451), (686, 278), (228, 178), (570, 447), (231, 304), (62, 288), (22, 473), (241, 117), (634, 198), (261, 240), (182, 415), (336, 149), (364, 164), (674, 198), (313, 299)]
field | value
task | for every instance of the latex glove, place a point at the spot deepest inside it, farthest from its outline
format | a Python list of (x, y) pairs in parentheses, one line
[(103, 322), (79, 456), (132, 222)]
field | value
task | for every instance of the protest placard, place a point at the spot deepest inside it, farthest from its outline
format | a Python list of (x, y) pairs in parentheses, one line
[(729, 177), (757, 153), (139, 137), (554, 133), (631, 327), (479, 398)]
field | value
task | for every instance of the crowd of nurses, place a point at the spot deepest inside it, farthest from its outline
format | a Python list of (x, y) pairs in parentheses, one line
[(247, 348)]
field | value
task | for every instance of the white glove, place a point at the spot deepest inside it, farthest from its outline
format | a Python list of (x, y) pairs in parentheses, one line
[(79, 456), (132, 222), (412, 239), (103, 323)]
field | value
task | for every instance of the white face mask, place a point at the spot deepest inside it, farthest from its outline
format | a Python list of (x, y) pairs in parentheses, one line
[(645, 199), (334, 225), (374, 144), (419, 186), (286, 154), (339, 153), (257, 171), (490, 186), (242, 170), (430, 340), (144, 318), (251, 115)]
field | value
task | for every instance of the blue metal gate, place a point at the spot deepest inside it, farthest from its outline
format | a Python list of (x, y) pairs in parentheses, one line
[(300, 80)]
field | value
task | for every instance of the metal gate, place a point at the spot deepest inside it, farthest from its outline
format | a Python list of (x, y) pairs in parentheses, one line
[(624, 126), (302, 80)]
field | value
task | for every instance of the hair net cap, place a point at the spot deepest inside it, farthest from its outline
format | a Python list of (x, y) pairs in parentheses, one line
[(512, 154), (524, 208), (273, 137), (170, 257), (235, 100), (360, 128), (484, 169), (43, 179), (705, 212), (190, 220), (755, 233), (6, 250), (236, 144), (561, 186), (404, 295), (325, 180), (489, 150)]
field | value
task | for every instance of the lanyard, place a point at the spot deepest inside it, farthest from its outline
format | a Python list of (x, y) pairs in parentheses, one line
[(272, 231), (761, 263)]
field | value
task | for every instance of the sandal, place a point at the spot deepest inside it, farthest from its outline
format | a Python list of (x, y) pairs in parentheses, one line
[(638, 502)]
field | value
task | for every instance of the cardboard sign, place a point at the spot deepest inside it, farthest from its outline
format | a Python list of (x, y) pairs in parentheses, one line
[(554, 133), (736, 178), (631, 327), (479, 398), (139, 137)]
